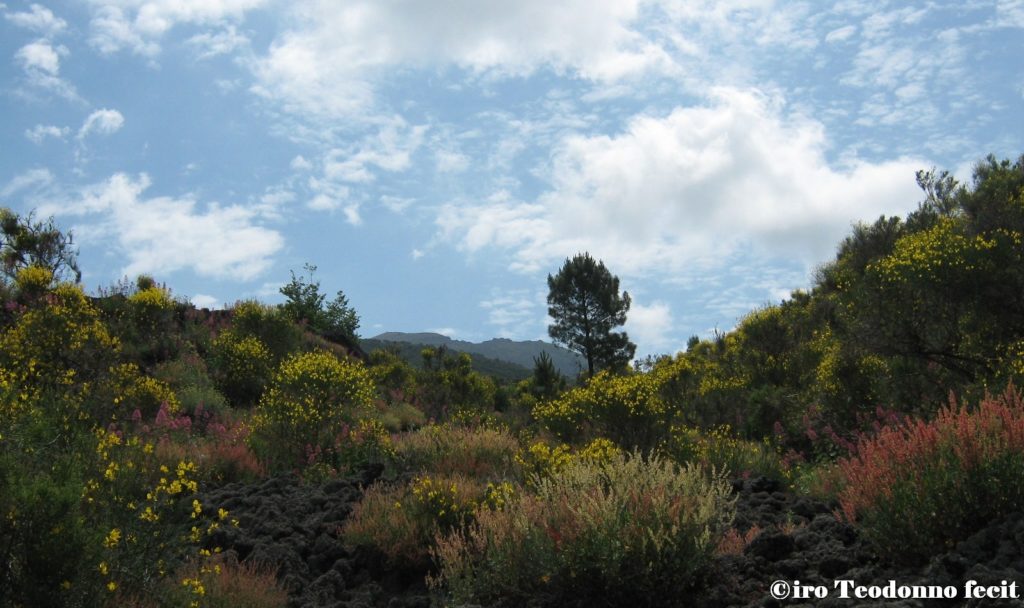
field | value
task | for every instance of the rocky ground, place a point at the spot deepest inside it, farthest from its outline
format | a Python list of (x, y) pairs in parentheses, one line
[(293, 527)]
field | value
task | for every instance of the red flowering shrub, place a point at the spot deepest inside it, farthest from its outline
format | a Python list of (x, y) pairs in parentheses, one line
[(919, 487)]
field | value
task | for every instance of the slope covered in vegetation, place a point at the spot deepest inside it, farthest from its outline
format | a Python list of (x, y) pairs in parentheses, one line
[(150, 453)]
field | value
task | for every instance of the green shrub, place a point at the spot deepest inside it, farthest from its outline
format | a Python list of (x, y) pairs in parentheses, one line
[(919, 488), (480, 452), (629, 531), (270, 325), (242, 367), (721, 450), (313, 400)]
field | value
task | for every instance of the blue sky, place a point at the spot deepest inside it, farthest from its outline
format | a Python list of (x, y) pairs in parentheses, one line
[(438, 159)]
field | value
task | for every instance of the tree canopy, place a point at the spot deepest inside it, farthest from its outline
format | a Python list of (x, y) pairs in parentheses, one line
[(25, 242), (586, 305), (305, 304)]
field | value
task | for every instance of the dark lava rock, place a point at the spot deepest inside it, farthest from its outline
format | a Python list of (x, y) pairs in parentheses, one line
[(802, 541), (293, 528)]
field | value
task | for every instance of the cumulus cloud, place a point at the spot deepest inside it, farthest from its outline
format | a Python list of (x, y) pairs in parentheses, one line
[(201, 300), (101, 122), (41, 62), (38, 19), (689, 188), (41, 56), (138, 25), (651, 326), (39, 133), (161, 235), (325, 64)]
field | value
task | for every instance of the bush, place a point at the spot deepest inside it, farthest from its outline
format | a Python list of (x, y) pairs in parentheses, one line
[(271, 326), (480, 452), (242, 367), (401, 522), (630, 531), (626, 409), (720, 450), (312, 401), (918, 488)]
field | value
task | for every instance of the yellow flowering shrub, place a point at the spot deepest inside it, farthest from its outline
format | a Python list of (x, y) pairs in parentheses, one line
[(312, 400), (540, 460), (126, 389), (624, 408), (242, 367)]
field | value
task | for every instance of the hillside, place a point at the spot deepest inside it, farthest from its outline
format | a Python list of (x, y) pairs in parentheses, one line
[(410, 353), (518, 352)]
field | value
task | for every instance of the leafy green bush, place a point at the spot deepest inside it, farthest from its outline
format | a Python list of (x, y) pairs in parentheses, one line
[(314, 399), (918, 488), (616, 533)]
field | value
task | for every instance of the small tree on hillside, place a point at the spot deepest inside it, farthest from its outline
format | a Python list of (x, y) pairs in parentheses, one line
[(25, 242), (585, 302), (305, 304)]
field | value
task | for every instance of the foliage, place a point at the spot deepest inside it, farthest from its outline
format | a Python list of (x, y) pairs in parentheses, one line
[(26, 242), (540, 460), (447, 386), (242, 367), (305, 304), (720, 450), (313, 399), (546, 382), (271, 326), (619, 533), (586, 305), (482, 453), (918, 488), (401, 522), (624, 408)]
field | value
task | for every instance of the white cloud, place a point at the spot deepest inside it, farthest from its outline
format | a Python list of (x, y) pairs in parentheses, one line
[(651, 326), (41, 62), (138, 25), (201, 300), (301, 164), (688, 189), (33, 179), (209, 44), (41, 56), (515, 312), (39, 133), (38, 19), (447, 161), (161, 235), (841, 34), (101, 122), (327, 62), (390, 149)]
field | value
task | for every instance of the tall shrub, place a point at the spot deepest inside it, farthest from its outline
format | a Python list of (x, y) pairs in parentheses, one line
[(918, 488)]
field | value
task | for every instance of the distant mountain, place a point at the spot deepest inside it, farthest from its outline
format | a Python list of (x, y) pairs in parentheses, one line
[(411, 353), (518, 352)]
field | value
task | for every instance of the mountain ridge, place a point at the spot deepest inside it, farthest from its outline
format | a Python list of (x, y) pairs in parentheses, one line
[(520, 352)]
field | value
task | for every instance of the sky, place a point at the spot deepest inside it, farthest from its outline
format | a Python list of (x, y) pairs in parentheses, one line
[(438, 159)]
